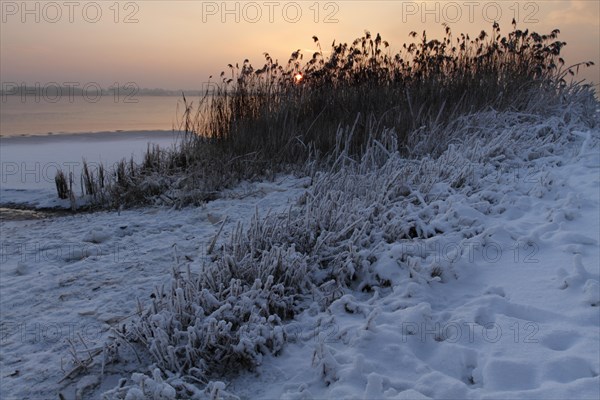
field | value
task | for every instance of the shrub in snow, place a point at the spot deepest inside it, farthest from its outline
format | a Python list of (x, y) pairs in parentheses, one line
[(226, 317)]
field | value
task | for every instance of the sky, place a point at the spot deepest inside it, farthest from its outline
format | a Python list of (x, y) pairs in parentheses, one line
[(179, 44)]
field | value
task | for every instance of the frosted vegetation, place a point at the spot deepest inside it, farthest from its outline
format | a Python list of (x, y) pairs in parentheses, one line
[(255, 122), (391, 143), (230, 313)]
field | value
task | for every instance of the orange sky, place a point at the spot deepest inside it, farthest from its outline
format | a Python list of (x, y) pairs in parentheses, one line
[(178, 44)]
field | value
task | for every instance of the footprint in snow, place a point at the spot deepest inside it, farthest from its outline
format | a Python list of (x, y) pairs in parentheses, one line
[(573, 238), (591, 292), (566, 369), (487, 308), (96, 235), (124, 230), (580, 277), (508, 375), (495, 290), (21, 269), (560, 340)]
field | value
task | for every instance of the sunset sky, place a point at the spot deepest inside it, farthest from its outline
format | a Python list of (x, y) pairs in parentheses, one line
[(178, 44)]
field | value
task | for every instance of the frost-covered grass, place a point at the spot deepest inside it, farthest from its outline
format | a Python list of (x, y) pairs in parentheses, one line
[(227, 314), (525, 178), (393, 142), (258, 121)]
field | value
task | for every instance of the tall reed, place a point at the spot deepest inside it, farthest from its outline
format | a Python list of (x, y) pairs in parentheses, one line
[(257, 121)]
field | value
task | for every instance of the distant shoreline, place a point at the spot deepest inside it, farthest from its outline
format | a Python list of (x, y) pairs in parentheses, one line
[(87, 136), (47, 118), (52, 90)]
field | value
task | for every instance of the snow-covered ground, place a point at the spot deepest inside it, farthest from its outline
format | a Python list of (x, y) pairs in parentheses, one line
[(29, 164), (501, 302), (518, 316), (78, 275)]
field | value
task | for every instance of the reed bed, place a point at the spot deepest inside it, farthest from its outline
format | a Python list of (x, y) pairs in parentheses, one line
[(257, 121)]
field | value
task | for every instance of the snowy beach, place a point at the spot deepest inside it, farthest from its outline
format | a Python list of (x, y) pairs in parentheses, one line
[(79, 275), (355, 200), (509, 312)]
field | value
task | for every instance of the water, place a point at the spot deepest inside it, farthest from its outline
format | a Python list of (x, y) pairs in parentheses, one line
[(39, 138), (23, 118)]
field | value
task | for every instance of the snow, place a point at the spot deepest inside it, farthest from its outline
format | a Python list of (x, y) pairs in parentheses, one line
[(77, 275), (494, 293), (519, 321), (29, 163)]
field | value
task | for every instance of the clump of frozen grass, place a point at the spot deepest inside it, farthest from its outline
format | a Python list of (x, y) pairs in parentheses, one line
[(143, 387), (227, 316), (93, 185), (62, 186), (164, 176)]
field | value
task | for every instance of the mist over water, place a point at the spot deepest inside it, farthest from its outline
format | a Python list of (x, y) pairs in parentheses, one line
[(23, 116), (39, 138)]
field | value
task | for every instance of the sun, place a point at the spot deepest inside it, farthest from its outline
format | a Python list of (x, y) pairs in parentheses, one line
[(298, 77)]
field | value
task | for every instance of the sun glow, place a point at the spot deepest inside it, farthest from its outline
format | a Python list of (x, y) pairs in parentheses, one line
[(298, 77)]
